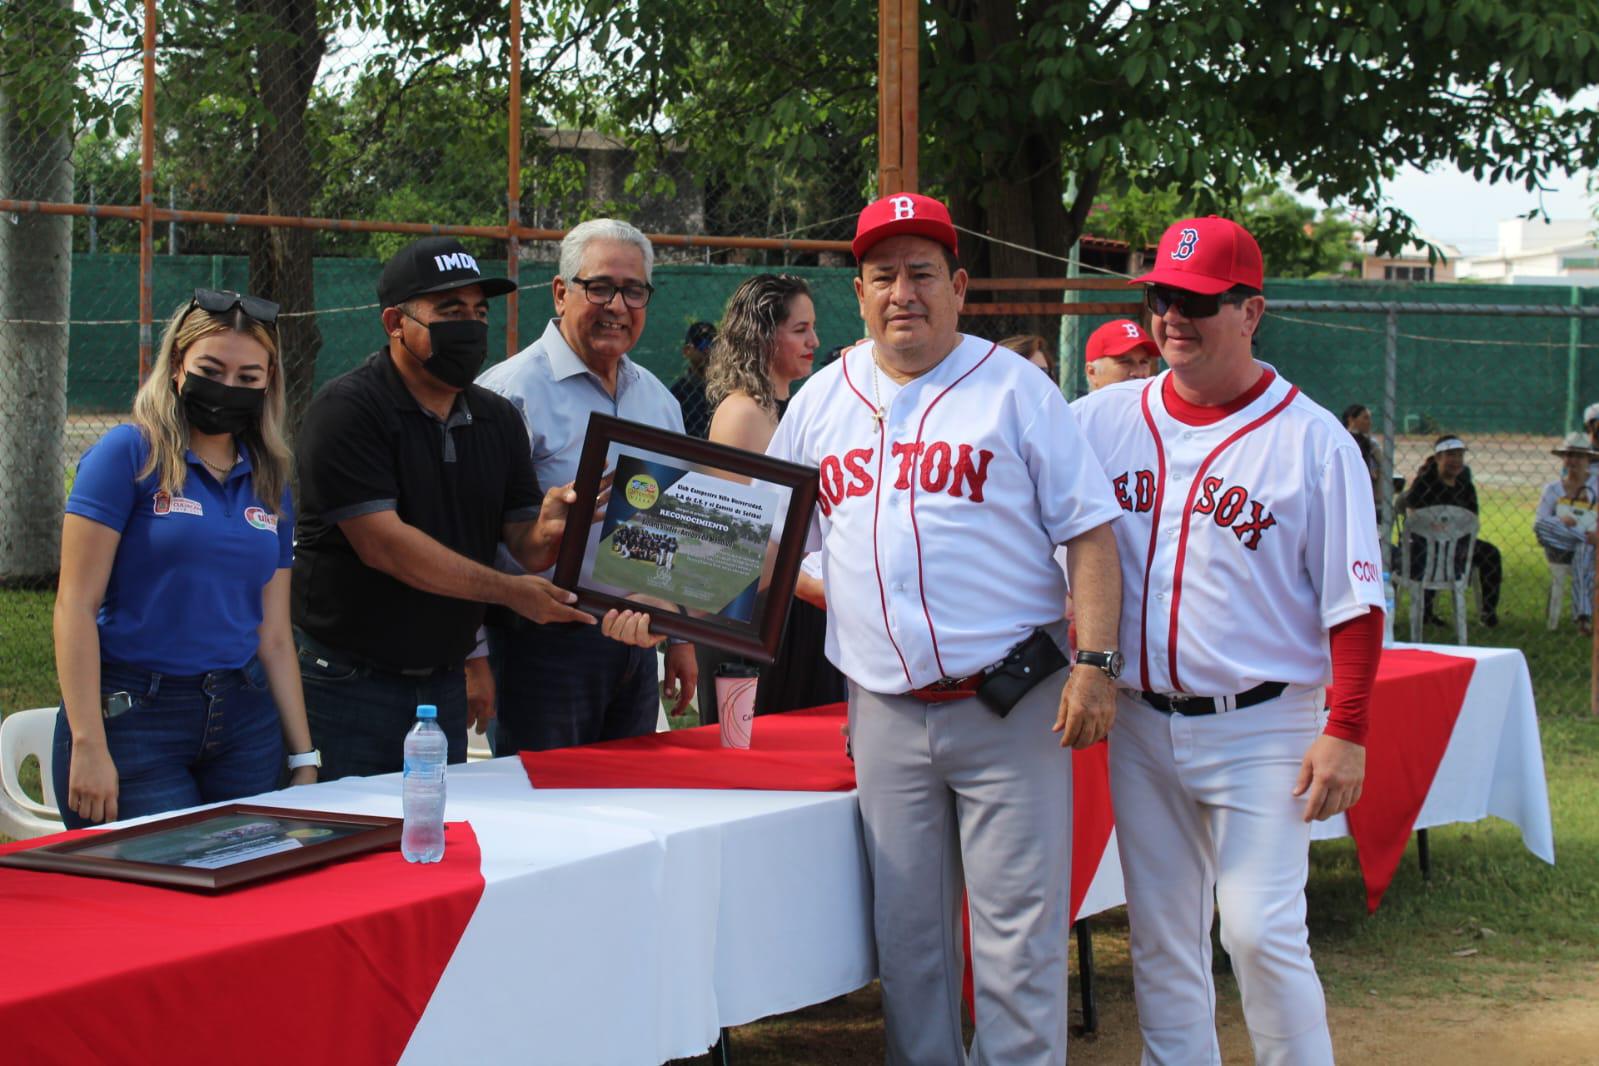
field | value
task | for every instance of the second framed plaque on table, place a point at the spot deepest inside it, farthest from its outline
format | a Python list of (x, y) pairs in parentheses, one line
[(708, 539)]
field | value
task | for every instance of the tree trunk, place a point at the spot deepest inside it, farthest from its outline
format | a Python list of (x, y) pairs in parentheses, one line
[(281, 259), (35, 295)]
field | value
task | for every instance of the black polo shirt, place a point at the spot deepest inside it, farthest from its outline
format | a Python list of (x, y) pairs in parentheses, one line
[(366, 445)]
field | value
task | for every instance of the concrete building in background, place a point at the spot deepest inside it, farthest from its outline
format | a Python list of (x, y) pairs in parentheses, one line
[(1411, 264), (1535, 252)]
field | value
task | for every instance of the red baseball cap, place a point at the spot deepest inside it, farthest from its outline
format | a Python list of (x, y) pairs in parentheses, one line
[(904, 212), (1208, 256), (1119, 338)]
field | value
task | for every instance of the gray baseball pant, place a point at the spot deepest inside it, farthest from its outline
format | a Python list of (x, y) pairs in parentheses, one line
[(954, 796)]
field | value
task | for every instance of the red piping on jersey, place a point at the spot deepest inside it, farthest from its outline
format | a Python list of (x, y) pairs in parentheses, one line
[(1188, 513), (1154, 533), (877, 498), (921, 583)]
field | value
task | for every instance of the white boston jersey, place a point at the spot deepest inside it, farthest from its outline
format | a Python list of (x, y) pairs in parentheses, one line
[(936, 523), (1242, 541)]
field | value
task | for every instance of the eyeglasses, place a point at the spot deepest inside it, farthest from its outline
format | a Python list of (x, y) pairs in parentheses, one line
[(601, 291), (221, 301), (1162, 298)]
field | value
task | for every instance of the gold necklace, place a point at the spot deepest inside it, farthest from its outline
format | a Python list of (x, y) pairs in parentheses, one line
[(220, 471)]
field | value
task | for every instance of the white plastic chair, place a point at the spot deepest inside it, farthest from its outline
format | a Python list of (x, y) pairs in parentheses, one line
[(1559, 578), (1441, 530), (25, 733)]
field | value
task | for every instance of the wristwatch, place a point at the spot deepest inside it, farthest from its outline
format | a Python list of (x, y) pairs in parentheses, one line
[(1108, 661), (306, 758)]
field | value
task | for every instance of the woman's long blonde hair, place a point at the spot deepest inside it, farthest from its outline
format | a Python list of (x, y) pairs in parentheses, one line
[(741, 357), (159, 415)]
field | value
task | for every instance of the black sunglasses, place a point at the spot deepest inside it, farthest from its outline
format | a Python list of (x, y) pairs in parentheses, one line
[(1162, 298), (221, 301)]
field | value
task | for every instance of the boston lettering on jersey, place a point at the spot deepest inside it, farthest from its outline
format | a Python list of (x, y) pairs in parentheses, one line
[(931, 466), (1229, 506)]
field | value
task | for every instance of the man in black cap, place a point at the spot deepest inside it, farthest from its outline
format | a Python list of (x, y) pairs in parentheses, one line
[(690, 387), (410, 476)]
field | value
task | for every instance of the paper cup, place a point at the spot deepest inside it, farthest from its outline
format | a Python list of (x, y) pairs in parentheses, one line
[(735, 708)]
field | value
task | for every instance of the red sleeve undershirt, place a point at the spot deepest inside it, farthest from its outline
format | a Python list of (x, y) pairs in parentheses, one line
[(1356, 646)]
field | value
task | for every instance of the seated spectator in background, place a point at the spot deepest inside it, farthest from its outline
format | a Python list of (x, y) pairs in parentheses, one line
[(690, 387), (1590, 423), (1034, 349), (1357, 420), (1566, 521), (1120, 351), (173, 647), (1444, 479)]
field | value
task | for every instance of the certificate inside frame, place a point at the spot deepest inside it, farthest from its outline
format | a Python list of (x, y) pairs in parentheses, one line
[(215, 849), (705, 538)]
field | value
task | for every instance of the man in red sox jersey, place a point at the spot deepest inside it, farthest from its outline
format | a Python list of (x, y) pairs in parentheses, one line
[(1250, 578), (947, 477)]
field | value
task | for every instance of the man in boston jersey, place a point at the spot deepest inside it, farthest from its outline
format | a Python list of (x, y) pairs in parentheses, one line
[(948, 476), (1250, 579)]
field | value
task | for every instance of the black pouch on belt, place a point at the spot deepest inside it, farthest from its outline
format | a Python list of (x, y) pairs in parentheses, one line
[(1014, 677)]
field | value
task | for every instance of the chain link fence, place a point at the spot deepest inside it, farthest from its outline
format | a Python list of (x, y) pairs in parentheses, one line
[(287, 147)]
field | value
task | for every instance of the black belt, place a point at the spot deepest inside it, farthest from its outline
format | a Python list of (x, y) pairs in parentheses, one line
[(321, 651), (1193, 706)]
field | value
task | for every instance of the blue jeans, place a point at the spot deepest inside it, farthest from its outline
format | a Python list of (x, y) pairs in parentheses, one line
[(359, 714), (184, 741), (562, 685)]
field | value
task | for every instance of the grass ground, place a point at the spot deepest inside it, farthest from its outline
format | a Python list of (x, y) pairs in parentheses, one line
[(1492, 960)]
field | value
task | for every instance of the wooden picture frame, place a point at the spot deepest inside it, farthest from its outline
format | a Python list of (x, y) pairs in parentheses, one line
[(214, 849), (707, 539)]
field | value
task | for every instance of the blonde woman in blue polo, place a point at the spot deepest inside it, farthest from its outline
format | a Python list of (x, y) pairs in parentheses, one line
[(178, 672)]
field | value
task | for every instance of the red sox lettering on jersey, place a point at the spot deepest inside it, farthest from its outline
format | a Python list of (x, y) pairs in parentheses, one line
[(937, 523), (1259, 500), (1230, 506)]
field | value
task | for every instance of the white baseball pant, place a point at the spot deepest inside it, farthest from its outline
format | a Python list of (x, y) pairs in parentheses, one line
[(954, 796), (1206, 817)]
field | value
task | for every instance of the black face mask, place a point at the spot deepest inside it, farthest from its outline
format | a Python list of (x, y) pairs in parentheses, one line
[(212, 407), (459, 348)]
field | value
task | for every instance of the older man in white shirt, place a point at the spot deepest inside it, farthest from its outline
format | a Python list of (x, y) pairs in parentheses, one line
[(561, 685)]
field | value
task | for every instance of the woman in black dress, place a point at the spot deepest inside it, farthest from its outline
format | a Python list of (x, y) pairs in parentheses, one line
[(767, 341)]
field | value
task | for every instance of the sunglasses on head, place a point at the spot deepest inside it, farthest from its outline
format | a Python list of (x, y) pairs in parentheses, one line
[(1162, 298), (221, 301)]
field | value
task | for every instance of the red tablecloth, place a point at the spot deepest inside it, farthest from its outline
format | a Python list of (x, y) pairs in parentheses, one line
[(1415, 702), (799, 751), (331, 965), (1414, 705)]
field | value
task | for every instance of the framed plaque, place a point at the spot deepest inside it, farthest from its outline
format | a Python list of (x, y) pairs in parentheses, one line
[(705, 538), (214, 849)]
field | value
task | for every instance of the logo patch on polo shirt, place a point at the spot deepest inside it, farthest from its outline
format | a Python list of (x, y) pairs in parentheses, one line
[(168, 504), (261, 518)]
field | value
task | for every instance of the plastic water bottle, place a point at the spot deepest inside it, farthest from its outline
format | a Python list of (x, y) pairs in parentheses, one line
[(1388, 608), (426, 752)]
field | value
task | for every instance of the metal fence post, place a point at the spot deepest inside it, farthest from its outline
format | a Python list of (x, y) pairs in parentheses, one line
[(147, 197)]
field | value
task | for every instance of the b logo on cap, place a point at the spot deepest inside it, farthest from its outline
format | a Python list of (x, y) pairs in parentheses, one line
[(1131, 329), (1188, 240), (904, 207)]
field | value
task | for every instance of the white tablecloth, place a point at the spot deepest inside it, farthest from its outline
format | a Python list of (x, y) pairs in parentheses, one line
[(629, 926)]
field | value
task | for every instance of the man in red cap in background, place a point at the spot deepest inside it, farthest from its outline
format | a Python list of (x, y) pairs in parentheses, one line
[(1120, 351), (947, 479), (1251, 578)]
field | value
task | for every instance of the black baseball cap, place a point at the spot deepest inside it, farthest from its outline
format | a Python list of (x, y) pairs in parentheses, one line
[(700, 335), (434, 264)]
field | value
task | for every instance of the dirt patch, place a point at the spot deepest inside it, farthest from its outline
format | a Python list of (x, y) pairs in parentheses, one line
[(1555, 1023)]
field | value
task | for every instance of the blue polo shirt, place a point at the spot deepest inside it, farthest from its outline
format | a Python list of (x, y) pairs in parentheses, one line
[(184, 595)]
